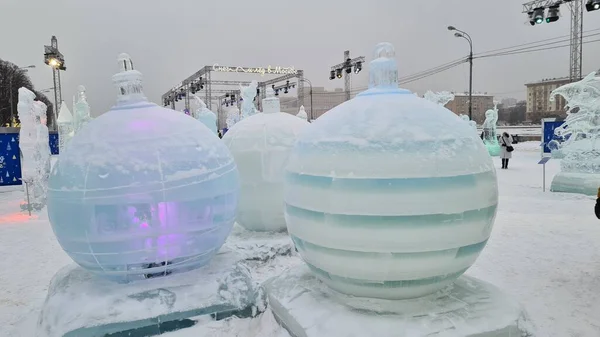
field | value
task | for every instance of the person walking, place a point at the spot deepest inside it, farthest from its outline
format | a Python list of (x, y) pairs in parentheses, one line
[(506, 149)]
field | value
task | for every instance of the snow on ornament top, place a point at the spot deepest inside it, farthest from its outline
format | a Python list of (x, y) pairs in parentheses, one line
[(261, 145), (144, 191), (389, 195)]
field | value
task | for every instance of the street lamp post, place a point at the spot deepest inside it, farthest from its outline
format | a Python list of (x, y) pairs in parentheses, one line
[(12, 109), (304, 79), (464, 35)]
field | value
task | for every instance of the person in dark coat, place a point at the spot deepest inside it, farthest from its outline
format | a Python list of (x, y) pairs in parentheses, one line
[(597, 208), (505, 149)]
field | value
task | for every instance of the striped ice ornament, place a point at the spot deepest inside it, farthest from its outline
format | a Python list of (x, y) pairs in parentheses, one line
[(390, 238)]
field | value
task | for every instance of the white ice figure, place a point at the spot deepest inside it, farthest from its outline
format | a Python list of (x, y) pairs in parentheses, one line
[(27, 135), (490, 135), (442, 98), (204, 115), (233, 116), (580, 166), (81, 110), (39, 188), (65, 127), (260, 145), (302, 113), (473, 124), (248, 94), (389, 195)]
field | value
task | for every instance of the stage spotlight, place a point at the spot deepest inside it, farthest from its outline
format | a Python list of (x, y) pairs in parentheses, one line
[(553, 13), (332, 74), (592, 5), (338, 73), (357, 67), (538, 15)]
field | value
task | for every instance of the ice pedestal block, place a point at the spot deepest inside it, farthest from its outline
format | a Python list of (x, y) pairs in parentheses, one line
[(493, 149), (570, 182), (80, 304), (470, 308)]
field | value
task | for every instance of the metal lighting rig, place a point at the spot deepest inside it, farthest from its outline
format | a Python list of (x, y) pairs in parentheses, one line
[(202, 81), (346, 67), (540, 11), (55, 59)]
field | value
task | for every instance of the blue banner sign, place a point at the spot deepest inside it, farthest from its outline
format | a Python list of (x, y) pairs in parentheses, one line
[(10, 156), (548, 127)]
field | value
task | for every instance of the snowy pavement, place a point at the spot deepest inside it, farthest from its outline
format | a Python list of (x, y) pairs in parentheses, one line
[(544, 251)]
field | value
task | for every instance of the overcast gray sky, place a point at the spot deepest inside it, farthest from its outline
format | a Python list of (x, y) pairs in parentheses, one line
[(169, 40)]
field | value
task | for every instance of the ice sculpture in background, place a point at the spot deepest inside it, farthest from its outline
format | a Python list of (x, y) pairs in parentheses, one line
[(204, 115), (261, 145), (233, 116), (580, 165), (248, 94), (81, 109), (42, 157), (442, 98), (65, 127), (359, 184), (473, 124), (144, 191), (490, 136), (302, 113)]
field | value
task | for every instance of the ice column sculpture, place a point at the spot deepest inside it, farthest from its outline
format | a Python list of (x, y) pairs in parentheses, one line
[(65, 127), (580, 166), (473, 124), (248, 94), (82, 110), (261, 145), (442, 98), (490, 137), (27, 141), (302, 113), (144, 191), (360, 188), (204, 115), (39, 188)]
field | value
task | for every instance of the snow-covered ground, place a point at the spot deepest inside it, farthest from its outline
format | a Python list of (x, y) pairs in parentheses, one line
[(544, 251)]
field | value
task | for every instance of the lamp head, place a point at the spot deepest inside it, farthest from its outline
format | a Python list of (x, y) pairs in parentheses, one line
[(451, 28)]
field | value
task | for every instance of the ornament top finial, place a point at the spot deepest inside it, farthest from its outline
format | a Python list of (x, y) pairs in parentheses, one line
[(383, 72), (129, 82)]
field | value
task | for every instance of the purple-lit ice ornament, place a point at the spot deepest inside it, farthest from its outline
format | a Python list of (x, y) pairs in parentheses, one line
[(142, 191), (389, 195)]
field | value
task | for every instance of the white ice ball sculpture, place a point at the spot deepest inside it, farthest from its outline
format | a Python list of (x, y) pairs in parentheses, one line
[(142, 191), (261, 145), (389, 195)]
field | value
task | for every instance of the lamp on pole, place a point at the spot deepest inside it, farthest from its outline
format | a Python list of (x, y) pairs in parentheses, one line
[(464, 35), (12, 109), (304, 79)]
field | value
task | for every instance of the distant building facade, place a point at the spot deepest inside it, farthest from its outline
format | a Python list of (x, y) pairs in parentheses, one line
[(508, 102), (481, 104), (538, 100)]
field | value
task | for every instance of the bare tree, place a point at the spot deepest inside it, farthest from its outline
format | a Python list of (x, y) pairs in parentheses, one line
[(11, 79)]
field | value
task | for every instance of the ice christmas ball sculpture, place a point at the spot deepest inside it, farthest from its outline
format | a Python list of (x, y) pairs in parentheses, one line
[(389, 195), (142, 191), (261, 145)]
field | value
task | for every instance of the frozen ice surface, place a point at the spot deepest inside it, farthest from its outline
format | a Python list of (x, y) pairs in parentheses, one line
[(81, 304), (142, 190), (469, 308), (381, 202), (204, 115), (580, 151), (473, 124), (260, 145), (442, 98)]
